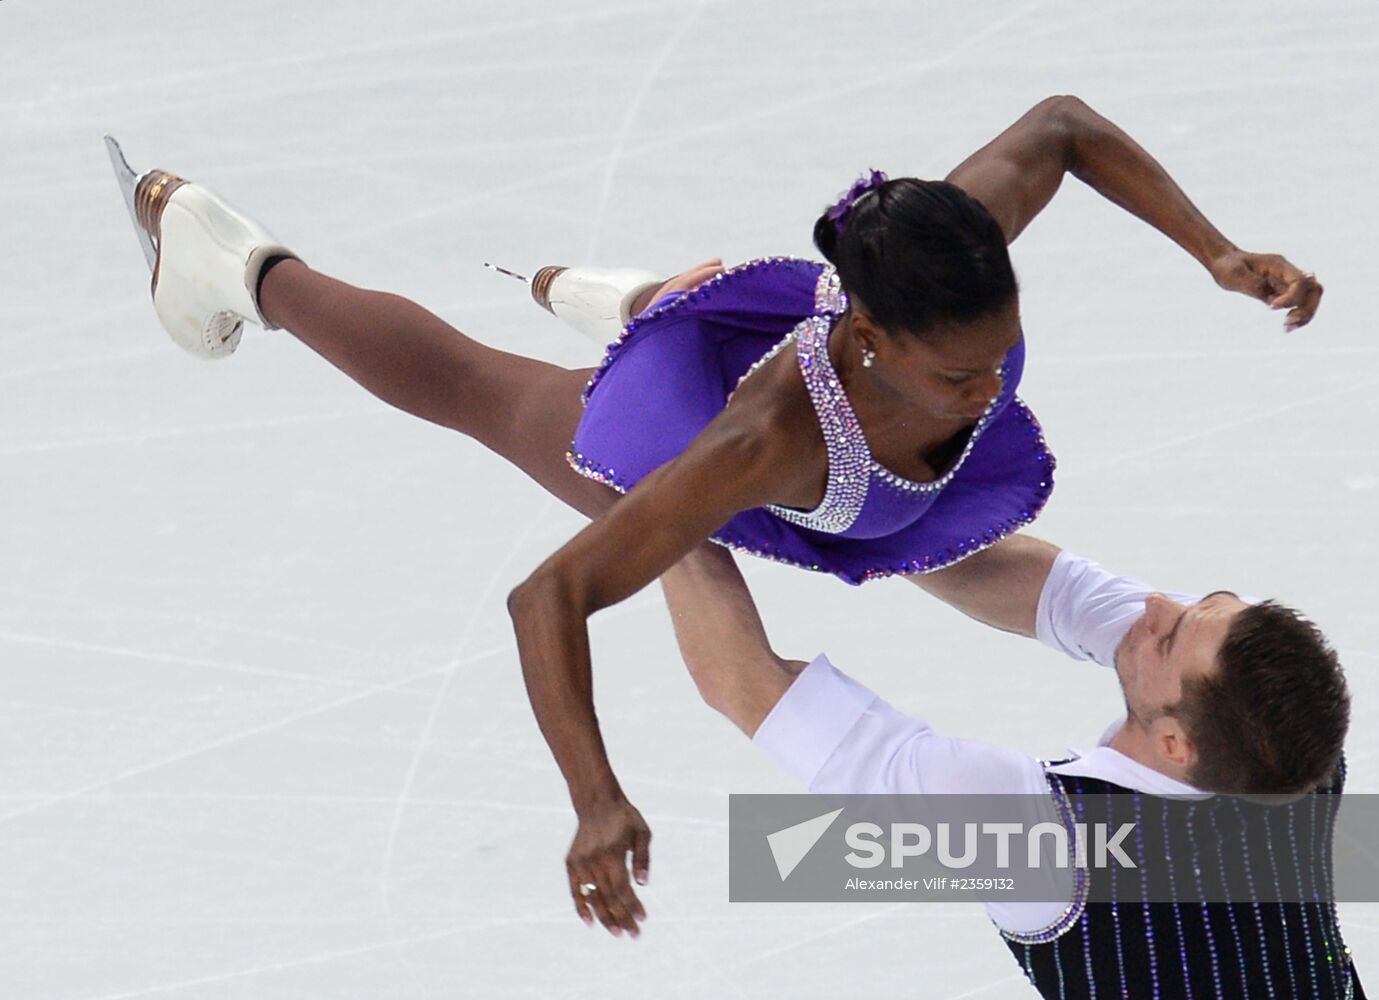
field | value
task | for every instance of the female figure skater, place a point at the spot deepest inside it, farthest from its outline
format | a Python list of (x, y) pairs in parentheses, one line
[(858, 417)]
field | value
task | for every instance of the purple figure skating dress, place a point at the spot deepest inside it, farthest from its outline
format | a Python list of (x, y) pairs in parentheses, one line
[(674, 366)]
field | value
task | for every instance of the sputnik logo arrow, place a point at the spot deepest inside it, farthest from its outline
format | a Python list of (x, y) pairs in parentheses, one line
[(789, 846)]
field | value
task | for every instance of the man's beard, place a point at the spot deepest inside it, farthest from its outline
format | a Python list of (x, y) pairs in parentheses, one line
[(1134, 717), (1131, 714), (1141, 717)]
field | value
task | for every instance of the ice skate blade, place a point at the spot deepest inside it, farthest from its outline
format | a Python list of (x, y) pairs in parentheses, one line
[(129, 183), (511, 274)]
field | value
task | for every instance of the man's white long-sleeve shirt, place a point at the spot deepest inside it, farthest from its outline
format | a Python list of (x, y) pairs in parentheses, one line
[(836, 736)]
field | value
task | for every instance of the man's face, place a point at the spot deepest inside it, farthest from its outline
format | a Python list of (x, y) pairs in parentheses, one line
[(1169, 643)]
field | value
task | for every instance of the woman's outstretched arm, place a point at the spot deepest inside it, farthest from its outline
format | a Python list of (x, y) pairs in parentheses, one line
[(1017, 173), (751, 454)]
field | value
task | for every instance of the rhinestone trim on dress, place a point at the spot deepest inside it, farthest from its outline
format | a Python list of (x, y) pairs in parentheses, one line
[(829, 296), (849, 458)]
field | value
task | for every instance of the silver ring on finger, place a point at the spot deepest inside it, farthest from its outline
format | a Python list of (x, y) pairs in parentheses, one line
[(587, 889)]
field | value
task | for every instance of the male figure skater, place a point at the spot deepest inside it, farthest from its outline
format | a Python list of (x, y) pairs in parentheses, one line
[(1222, 696)]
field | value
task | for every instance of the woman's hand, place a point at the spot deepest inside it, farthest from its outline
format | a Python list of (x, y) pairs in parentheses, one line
[(1016, 174), (1271, 279), (597, 864)]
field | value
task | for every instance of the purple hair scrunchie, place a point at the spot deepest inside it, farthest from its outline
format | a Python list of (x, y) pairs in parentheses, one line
[(864, 185)]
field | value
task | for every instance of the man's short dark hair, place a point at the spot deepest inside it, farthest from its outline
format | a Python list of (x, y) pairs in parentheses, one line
[(1273, 717)]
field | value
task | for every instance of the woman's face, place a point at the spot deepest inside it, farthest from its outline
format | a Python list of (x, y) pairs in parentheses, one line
[(952, 372)]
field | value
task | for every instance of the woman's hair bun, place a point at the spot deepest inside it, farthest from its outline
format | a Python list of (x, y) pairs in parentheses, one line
[(918, 254)]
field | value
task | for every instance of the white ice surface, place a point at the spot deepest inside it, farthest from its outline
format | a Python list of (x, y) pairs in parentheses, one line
[(262, 732)]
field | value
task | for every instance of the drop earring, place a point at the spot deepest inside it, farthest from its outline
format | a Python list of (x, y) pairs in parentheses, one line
[(868, 357)]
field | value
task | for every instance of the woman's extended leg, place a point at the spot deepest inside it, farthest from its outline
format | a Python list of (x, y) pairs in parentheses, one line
[(213, 270), (523, 409), (209, 278)]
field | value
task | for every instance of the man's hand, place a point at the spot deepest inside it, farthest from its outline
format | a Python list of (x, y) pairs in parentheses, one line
[(690, 279), (597, 865), (1273, 280)]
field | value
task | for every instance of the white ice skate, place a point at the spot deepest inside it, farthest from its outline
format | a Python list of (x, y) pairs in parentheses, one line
[(596, 301), (205, 256)]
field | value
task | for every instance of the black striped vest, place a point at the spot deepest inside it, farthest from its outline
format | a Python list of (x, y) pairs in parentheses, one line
[(1110, 944)]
